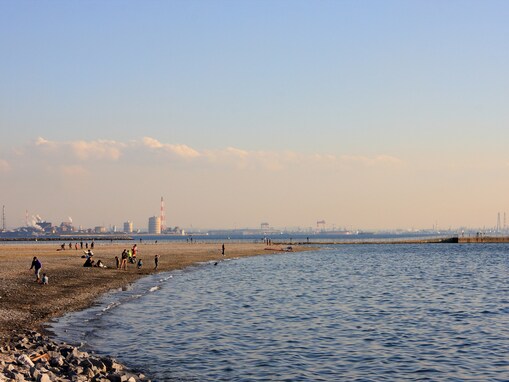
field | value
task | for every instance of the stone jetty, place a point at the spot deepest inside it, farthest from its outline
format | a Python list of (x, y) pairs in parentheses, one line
[(32, 356)]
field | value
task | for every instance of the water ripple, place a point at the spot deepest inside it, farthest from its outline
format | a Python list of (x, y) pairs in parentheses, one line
[(348, 313)]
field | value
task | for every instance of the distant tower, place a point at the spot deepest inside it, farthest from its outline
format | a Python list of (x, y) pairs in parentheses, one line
[(163, 222), (320, 225), (154, 225), (498, 222), (505, 223), (3, 218), (26, 218)]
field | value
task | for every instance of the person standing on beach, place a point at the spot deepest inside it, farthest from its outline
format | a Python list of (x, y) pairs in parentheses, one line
[(222, 249), (117, 261), (156, 261), (134, 250), (36, 265), (123, 264)]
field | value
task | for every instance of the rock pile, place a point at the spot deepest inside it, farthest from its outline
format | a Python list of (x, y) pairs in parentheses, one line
[(34, 357)]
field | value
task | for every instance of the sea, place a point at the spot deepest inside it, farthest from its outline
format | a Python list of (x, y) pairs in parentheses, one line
[(349, 312)]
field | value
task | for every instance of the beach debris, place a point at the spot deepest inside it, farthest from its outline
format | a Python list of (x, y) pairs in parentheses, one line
[(43, 357), (32, 356), (24, 360)]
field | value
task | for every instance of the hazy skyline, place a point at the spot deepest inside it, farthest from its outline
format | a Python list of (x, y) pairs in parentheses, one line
[(366, 114)]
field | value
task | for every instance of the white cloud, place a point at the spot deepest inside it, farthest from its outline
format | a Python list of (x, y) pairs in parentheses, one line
[(40, 141), (152, 143), (179, 150)]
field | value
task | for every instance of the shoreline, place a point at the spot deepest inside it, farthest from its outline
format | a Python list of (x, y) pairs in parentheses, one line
[(26, 306)]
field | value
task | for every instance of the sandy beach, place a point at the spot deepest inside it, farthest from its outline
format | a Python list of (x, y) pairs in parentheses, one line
[(26, 304)]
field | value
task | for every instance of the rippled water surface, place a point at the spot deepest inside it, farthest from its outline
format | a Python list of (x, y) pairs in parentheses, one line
[(345, 313)]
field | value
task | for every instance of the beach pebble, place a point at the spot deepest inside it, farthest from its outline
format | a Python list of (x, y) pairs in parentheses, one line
[(44, 378), (117, 377), (111, 365)]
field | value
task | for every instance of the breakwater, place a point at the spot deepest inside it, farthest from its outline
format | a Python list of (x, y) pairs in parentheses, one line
[(428, 240), (433, 240), (483, 239)]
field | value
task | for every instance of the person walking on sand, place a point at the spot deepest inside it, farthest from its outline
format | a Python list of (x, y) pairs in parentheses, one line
[(36, 265), (117, 262), (156, 261)]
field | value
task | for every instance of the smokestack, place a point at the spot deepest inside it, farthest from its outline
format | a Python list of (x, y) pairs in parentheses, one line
[(163, 223)]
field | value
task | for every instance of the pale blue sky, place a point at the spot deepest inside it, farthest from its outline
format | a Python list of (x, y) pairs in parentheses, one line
[(424, 83)]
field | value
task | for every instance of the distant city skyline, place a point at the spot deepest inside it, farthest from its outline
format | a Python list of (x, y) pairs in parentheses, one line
[(153, 224), (368, 115)]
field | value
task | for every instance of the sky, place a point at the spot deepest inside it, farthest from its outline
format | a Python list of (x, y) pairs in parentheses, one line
[(365, 114)]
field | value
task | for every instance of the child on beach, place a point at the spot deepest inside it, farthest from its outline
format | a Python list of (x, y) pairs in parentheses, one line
[(45, 279), (140, 264)]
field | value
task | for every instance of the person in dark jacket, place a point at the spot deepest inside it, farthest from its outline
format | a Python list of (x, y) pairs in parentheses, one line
[(36, 266)]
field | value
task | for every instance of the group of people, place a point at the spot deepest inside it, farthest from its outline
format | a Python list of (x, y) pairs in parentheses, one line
[(90, 262), (127, 255), (76, 245), (130, 256)]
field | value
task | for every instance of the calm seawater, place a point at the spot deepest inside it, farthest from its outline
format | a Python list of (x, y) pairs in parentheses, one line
[(344, 313)]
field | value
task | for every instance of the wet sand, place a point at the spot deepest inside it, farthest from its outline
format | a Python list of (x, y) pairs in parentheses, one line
[(26, 305)]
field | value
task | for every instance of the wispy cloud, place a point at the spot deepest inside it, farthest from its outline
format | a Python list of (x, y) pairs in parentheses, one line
[(83, 150), (379, 160), (75, 154), (97, 149)]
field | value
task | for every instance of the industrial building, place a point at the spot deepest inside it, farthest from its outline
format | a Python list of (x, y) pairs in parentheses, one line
[(154, 225), (128, 227)]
